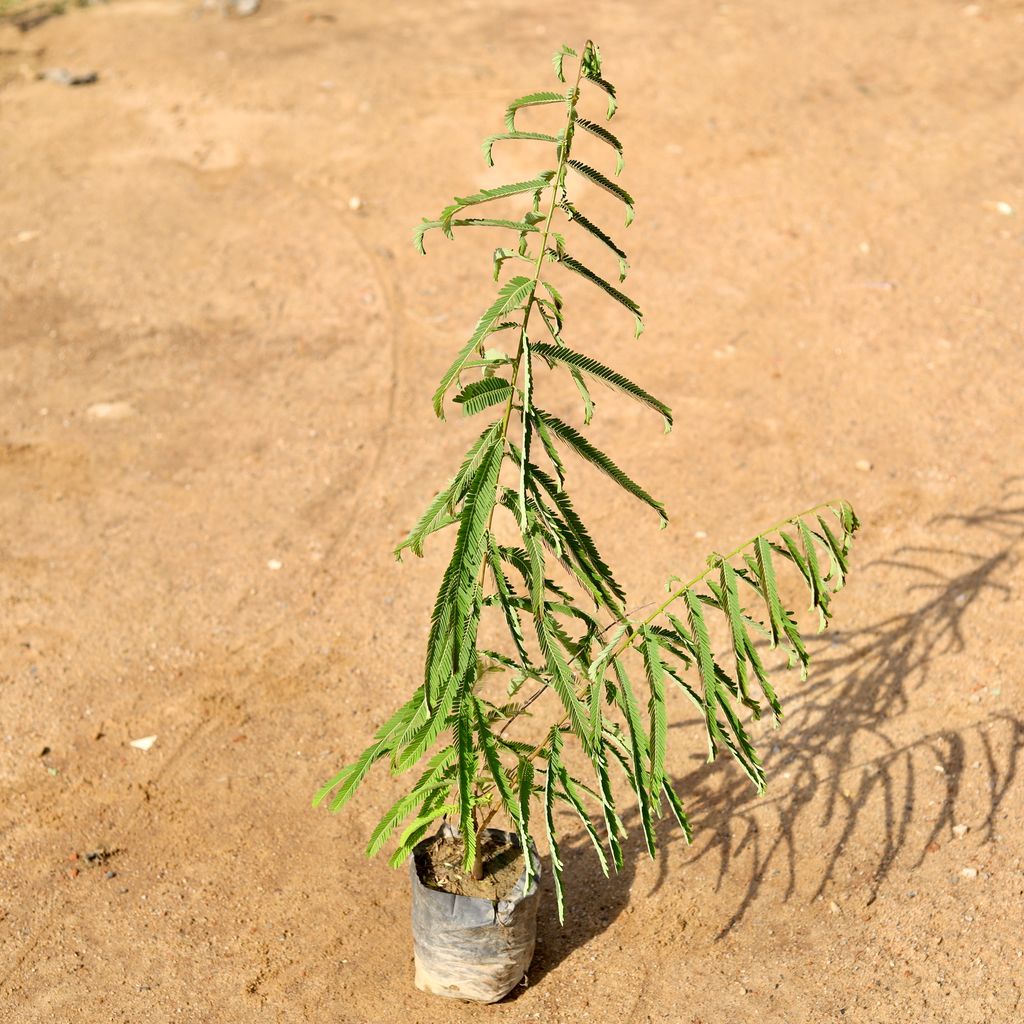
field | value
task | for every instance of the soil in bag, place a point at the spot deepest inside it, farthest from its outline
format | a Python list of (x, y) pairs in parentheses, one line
[(439, 865)]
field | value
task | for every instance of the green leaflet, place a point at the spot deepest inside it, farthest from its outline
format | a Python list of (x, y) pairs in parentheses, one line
[(639, 750), (352, 775), (515, 293), (488, 144), (769, 589), (591, 367), (438, 775), (549, 448), (838, 551), (563, 544), (525, 794), (763, 681), (606, 136), (779, 620), (740, 745), (588, 403), (553, 323), (561, 677), (738, 632), (656, 709), (607, 184), (613, 826), (522, 226), (606, 87), (582, 447), (505, 596), (590, 62), (554, 754), (492, 758), (606, 652), (466, 755), (820, 596), (534, 99), (573, 264), (559, 57), (450, 650), (527, 423), (592, 560), (572, 798), (433, 808), (706, 667), (423, 738), (482, 394), (501, 256), (486, 195), (678, 811), (589, 226)]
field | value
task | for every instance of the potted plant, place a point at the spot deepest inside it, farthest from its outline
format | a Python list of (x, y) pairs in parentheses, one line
[(525, 567)]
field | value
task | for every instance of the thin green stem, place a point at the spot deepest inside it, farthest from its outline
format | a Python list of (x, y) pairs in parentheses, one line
[(556, 185)]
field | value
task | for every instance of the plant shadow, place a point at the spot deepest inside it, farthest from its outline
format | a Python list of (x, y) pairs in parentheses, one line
[(834, 753)]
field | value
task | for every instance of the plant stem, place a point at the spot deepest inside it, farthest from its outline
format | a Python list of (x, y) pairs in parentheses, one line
[(478, 860), (556, 184)]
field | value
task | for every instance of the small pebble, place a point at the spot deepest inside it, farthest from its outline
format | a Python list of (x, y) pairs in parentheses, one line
[(64, 77), (26, 236), (355, 203), (111, 874), (274, 564), (110, 411), (72, 872), (863, 465), (1005, 209), (700, 534), (145, 743), (969, 872), (961, 830), (834, 907)]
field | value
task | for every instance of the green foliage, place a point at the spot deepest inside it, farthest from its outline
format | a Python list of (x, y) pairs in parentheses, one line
[(523, 558)]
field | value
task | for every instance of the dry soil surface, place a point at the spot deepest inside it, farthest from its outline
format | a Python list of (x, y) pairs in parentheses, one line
[(216, 359)]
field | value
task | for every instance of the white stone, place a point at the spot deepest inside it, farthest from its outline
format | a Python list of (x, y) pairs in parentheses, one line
[(110, 410)]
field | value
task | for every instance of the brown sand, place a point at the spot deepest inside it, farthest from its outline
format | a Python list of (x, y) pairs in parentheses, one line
[(210, 365)]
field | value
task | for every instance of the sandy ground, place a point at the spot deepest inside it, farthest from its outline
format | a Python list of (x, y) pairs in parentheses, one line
[(210, 364)]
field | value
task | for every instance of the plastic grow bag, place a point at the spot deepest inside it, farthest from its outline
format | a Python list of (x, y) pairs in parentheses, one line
[(467, 947)]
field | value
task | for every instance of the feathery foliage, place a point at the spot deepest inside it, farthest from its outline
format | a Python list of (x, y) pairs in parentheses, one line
[(523, 559)]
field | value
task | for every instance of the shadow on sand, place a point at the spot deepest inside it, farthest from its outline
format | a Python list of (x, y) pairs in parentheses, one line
[(835, 757)]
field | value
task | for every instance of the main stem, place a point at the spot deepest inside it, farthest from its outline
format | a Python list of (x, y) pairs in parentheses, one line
[(556, 185)]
